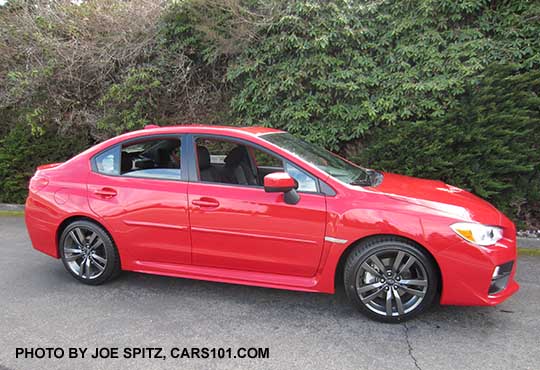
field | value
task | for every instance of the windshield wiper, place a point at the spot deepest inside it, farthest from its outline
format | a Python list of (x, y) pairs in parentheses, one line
[(373, 178), (361, 182), (364, 180)]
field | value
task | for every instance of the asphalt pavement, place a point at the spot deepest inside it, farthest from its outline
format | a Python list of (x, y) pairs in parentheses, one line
[(42, 306)]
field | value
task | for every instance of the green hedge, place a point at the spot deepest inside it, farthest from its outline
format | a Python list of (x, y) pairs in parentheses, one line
[(489, 143), (21, 151), (332, 70)]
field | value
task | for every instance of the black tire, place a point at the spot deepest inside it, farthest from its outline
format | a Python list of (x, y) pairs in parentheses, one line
[(370, 291), (83, 247)]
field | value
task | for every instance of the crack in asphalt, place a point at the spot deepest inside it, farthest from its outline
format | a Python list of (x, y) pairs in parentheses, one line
[(411, 355)]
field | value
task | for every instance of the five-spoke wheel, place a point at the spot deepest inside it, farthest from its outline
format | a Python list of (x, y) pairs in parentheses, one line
[(389, 279), (88, 252)]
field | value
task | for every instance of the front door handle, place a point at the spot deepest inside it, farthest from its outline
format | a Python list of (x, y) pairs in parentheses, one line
[(206, 202), (106, 192)]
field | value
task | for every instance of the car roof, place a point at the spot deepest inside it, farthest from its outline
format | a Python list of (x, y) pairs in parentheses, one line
[(252, 131), (198, 129), (192, 128)]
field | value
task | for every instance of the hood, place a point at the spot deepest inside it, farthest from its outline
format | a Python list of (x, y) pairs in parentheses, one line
[(437, 195)]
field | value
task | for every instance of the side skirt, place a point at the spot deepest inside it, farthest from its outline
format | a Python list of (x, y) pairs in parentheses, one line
[(267, 280)]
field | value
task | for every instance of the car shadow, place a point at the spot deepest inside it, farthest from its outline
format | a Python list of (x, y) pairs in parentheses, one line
[(283, 302), (257, 303)]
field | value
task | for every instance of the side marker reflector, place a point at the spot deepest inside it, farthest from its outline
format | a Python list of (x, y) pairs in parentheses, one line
[(335, 240)]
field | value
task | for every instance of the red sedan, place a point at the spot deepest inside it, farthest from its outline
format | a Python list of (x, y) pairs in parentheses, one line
[(261, 207)]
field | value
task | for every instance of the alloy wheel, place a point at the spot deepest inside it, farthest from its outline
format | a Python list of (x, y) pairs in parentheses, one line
[(84, 253), (391, 283)]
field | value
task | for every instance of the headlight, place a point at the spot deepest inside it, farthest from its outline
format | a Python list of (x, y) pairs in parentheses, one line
[(477, 233)]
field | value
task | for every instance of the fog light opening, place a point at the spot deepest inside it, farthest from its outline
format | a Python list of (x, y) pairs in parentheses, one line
[(500, 277)]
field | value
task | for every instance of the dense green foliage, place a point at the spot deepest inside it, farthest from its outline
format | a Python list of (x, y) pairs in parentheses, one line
[(489, 143), (19, 150), (355, 76), (332, 70)]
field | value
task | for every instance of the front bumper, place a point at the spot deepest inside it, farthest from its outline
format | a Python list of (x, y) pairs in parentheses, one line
[(478, 276)]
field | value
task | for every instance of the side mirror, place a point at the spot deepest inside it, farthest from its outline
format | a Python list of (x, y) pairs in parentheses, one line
[(282, 182)]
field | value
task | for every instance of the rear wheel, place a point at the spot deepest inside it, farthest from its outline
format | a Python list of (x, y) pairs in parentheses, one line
[(88, 253), (389, 279)]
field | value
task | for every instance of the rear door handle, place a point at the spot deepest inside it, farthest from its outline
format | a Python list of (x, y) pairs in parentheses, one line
[(206, 202), (106, 192)]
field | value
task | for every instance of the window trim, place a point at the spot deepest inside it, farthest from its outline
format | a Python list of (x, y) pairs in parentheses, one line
[(184, 168), (194, 164)]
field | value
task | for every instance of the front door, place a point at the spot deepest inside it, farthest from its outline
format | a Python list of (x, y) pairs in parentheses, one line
[(236, 225)]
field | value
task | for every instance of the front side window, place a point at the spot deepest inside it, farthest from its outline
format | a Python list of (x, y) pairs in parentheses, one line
[(224, 161), (330, 163), (150, 158), (229, 162), (305, 181)]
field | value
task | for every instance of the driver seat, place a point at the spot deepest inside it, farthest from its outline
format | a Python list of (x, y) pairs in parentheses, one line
[(238, 169), (207, 172)]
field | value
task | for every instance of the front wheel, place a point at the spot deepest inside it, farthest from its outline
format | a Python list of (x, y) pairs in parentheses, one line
[(390, 280)]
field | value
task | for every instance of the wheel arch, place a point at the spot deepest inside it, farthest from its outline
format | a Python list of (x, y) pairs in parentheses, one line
[(338, 274), (74, 218)]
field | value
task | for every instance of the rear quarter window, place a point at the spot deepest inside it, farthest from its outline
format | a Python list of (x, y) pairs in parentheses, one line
[(108, 162)]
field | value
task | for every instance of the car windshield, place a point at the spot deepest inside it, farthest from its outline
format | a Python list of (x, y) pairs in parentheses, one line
[(321, 158)]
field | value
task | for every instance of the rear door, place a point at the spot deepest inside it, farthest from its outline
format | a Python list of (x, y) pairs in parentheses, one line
[(139, 189)]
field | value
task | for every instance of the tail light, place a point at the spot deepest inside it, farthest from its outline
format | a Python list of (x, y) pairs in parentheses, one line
[(38, 182)]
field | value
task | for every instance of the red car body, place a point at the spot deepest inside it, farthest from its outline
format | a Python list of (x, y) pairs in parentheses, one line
[(244, 235)]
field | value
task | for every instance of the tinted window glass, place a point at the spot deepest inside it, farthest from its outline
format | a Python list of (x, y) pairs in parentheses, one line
[(224, 161), (263, 159), (229, 162), (157, 158)]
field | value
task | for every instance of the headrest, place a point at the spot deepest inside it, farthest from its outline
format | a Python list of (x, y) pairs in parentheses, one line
[(143, 164), (204, 157), (126, 163), (163, 156), (235, 156)]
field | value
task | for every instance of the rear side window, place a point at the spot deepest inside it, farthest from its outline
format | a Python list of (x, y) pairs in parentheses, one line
[(218, 149), (150, 158), (159, 159)]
